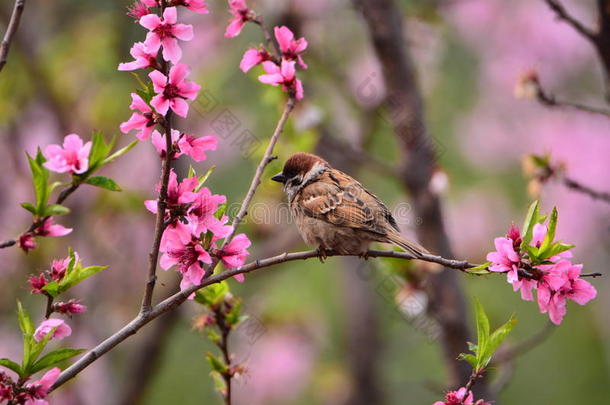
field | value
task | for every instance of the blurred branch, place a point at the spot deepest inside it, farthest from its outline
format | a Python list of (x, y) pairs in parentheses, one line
[(10, 31), (404, 103), (576, 186), (549, 100), (563, 14), (600, 38), (506, 357)]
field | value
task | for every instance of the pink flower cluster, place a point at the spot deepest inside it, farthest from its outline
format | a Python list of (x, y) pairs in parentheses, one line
[(280, 71), (194, 226), (72, 158), (461, 396), (32, 393), (556, 281), (191, 239), (57, 273)]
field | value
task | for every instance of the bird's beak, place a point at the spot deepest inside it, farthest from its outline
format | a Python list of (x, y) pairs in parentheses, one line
[(280, 178)]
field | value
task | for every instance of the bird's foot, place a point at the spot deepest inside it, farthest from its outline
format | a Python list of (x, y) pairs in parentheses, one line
[(321, 254), (364, 255)]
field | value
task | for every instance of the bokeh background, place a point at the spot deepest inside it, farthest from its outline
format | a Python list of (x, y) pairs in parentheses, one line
[(312, 324)]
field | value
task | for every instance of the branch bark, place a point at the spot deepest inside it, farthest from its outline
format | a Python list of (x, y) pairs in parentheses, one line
[(10, 31), (385, 24)]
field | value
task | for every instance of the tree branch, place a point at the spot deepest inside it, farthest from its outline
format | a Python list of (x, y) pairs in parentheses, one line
[(10, 31), (549, 100), (265, 160), (563, 14), (576, 186)]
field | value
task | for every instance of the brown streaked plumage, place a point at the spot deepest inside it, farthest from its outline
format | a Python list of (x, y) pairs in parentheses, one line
[(335, 212)]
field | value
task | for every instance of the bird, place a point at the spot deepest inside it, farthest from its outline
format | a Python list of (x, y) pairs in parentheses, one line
[(334, 212)]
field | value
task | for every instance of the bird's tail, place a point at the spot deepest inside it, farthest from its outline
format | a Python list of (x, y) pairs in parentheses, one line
[(410, 247)]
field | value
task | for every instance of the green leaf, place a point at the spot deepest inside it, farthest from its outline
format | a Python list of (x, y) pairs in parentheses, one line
[(55, 209), (103, 182), (480, 269), (145, 87), (482, 331), (496, 339), (55, 357), (192, 172), (30, 207), (469, 358), (79, 274), (204, 178), (222, 208), (550, 234), (555, 249), (99, 150), (234, 316), (219, 382), (11, 365), (52, 288), (216, 364), (212, 294), (37, 348), (119, 152), (27, 330), (40, 178), (531, 219), (212, 335)]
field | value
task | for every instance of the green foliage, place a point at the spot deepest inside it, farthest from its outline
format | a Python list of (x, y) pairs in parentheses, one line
[(480, 269), (103, 182), (11, 365), (55, 357), (216, 363), (75, 273), (548, 248), (487, 343), (40, 179), (213, 294)]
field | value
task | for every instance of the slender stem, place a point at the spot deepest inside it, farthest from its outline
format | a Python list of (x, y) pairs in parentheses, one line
[(49, 309), (268, 39), (562, 14), (10, 31), (265, 160), (549, 100), (65, 193), (596, 195)]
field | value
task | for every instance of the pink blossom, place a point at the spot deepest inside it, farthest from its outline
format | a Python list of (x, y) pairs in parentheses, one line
[(164, 31), (72, 158), (70, 307), (144, 122), (253, 57), (461, 397), (183, 249), (37, 283), (48, 228), (138, 10), (201, 214), (504, 258), (284, 75), (159, 142), (241, 15), (62, 329), (59, 267), (172, 93), (26, 242), (178, 194), (185, 144), (142, 58), (196, 147), (40, 388), (291, 48), (234, 254), (198, 6)]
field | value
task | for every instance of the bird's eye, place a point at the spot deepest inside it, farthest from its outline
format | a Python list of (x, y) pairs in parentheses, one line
[(295, 182)]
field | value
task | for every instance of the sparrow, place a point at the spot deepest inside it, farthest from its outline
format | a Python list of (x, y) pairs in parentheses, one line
[(335, 212)]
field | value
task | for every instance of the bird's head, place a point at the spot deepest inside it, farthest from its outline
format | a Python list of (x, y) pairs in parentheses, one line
[(300, 169)]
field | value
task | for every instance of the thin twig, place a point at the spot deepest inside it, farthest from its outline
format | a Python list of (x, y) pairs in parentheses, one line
[(549, 100), (596, 195), (267, 35), (65, 193), (49, 310), (563, 14), (265, 160), (10, 31)]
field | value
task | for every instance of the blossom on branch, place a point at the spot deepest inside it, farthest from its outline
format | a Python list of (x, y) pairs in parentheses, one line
[(46, 228), (185, 144), (172, 91), (165, 32), (144, 120), (143, 58), (461, 396), (72, 158), (291, 48), (36, 390), (241, 15), (284, 75), (59, 327), (534, 261), (198, 6), (253, 57)]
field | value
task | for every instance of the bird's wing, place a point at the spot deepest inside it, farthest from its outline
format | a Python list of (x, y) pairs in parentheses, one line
[(340, 200)]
